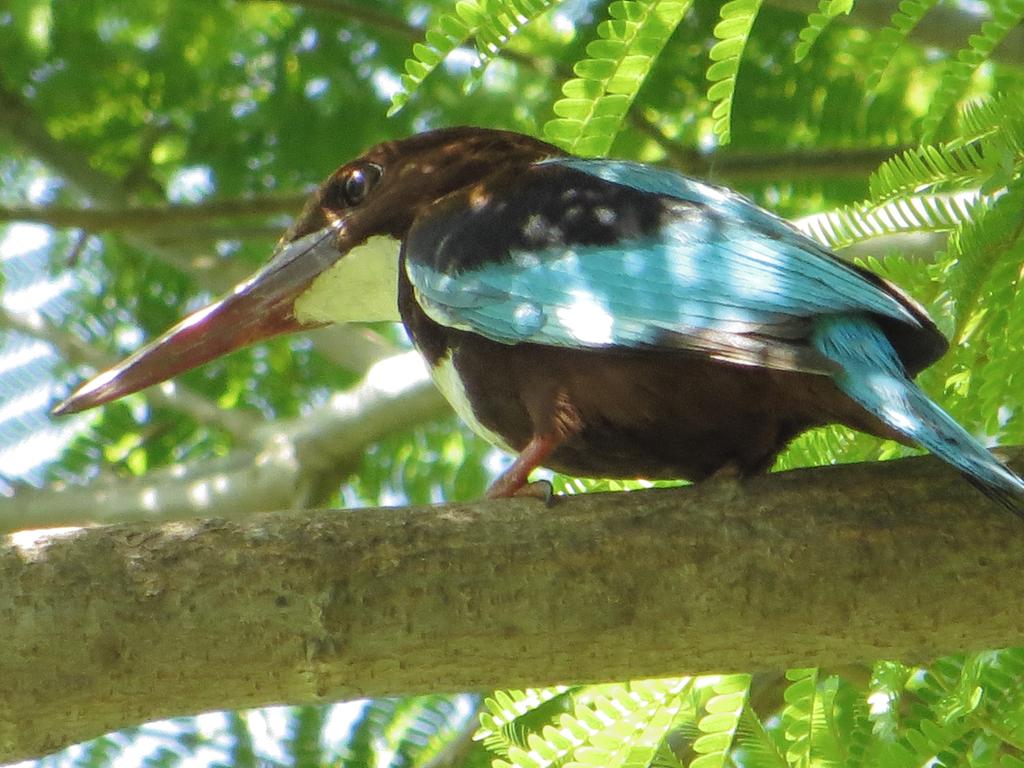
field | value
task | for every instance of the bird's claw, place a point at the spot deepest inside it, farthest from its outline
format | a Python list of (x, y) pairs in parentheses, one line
[(539, 489)]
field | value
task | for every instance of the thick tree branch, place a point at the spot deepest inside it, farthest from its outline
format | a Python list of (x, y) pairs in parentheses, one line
[(115, 625)]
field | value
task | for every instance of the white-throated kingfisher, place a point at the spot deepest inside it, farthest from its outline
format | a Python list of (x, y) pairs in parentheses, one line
[(599, 317)]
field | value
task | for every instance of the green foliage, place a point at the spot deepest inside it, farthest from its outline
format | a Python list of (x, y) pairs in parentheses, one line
[(936, 187), (449, 32), (858, 222), (719, 725), (797, 715), (123, 99), (1008, 14), (304, 735), (487, 24), (896, 716), (756, 744), (987, 245), (907, 16), (408, 731), (732, 33), (242, 750), (816, 23), (510, 714), (613, 726), (595, 103), (985, 155)]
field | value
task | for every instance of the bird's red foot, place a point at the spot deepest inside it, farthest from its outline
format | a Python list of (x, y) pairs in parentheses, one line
[(513, 481)]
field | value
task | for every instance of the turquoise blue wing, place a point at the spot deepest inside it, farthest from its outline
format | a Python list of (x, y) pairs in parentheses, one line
[(589, 253)]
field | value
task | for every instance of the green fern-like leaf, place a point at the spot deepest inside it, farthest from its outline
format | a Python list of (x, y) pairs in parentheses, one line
[(982, 118), (888, 40), (887, 687), (861, 221), (938, 723), (797, 714), (929, 167), (604, 720), (828, 445), (596, 101), (635, 739), (554, 744), (816, 23), (449, 32), (411, 729), (993, 238), (421, 731), (718, 725), (487, 24), (501, 724), (950, 685), (998, 125), (987, 155), (1007, 14), (1002, 678), (504, 18), (840, 726), (758, 747), (732, 33), (849, 718), (366, 732), (930, 739)]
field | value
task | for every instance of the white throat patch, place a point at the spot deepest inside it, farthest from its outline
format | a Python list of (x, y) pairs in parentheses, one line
[(361, 287)]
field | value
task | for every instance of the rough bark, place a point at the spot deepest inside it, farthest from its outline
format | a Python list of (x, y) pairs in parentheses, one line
[(111, 626)]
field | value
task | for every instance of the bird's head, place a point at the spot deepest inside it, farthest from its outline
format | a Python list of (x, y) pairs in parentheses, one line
[(337, 263)]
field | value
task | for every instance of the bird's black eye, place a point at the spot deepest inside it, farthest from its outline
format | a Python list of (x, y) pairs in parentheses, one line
[(358, 183)]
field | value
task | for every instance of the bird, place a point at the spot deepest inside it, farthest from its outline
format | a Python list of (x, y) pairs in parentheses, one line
[(598, 317)]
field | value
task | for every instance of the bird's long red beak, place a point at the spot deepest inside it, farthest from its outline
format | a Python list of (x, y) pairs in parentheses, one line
[(259, 308)]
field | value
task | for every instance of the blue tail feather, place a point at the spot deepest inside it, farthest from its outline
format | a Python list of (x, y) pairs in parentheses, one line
[(873, 376)]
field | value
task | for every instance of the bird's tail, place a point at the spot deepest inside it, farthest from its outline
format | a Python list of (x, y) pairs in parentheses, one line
[(872, 374)]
